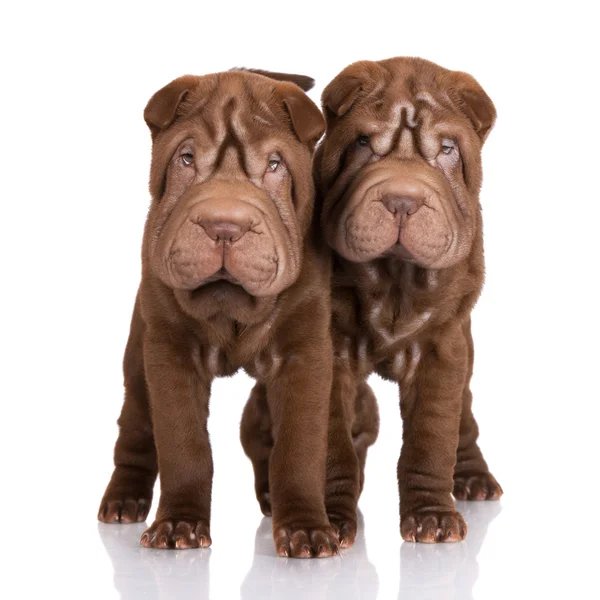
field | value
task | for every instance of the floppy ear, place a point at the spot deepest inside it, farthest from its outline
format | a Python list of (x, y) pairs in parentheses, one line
[(340, 94), (474, 103), (302, 81), (360, 78), (161, 109), (307, 120)]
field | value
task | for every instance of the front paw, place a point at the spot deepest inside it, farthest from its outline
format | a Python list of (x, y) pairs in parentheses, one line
[(305, 541), (128, 496), (345, 529), (476, 486), (123, 509), (433, 527), (177, 534)]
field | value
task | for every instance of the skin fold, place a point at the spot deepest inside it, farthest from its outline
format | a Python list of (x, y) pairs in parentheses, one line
[(398, 178), (232, 277)]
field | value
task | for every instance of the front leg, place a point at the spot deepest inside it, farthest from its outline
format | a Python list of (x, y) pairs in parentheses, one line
[(430, 406), (179, 395), (298, 399), (128, 495), (472, 478), (343, 471)]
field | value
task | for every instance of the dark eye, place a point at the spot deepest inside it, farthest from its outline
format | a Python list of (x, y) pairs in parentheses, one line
[(448, 146), (187, 158), (273, 164), (363, 140)]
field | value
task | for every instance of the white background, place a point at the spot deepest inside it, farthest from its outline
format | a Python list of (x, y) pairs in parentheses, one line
[(74, 162)]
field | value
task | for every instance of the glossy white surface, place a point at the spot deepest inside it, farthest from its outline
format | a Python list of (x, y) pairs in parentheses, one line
[(537, 542), (438, 572), (74, 155), (505, 555)]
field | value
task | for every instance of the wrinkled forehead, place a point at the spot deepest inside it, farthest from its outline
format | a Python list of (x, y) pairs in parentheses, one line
[(404, 108), (233, 104), (230, 117)]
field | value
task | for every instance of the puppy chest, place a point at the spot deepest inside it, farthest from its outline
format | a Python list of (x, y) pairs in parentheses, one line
[(267, 364), (390, 346), (401, 364), (394, 316), (213, 361), (393, 322)]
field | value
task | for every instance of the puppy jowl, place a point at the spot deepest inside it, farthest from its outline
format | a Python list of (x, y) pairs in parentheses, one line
[(231, 278)]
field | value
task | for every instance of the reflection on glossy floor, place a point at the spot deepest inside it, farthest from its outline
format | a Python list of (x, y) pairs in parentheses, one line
[(534, 543), (442, 571)]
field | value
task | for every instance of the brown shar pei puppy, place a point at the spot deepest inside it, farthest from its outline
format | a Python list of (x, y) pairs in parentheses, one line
[(231, 277), (398, 178), (399, 174)]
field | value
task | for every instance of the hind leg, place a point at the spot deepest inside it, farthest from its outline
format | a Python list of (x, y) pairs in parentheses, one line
[(472, 478), (257, 441), (365, 427)]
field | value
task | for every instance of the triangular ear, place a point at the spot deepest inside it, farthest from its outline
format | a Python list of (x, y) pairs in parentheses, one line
[(161, 109), (307, 120), (474, 103), (340, 94)]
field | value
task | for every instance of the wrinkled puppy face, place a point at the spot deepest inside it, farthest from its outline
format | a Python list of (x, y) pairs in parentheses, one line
[(400, 167), (231, 184)]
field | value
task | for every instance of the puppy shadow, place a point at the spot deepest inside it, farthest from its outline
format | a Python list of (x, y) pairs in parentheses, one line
[(153, 574), (446, 571), (349, 575)]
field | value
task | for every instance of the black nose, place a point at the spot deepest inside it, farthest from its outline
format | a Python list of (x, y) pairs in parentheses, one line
[(404, 205), (224, 231)]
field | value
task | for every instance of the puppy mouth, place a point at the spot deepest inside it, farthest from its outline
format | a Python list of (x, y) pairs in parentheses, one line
[(221, 275), (221, 280), (400, 252), (398, 249)]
